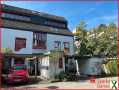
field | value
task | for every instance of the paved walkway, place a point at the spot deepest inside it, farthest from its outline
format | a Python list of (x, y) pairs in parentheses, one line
[(81, 84)]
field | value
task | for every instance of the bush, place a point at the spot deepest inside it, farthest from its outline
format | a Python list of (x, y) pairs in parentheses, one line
[(62, 76), (111, 67)]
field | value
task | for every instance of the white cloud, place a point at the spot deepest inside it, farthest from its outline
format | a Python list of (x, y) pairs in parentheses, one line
[(104, 18), (114, 17), (90, 10), (93, 22)]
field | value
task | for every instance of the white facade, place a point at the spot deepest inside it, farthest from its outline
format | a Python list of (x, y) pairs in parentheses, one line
[(8, 40), (47, 66), (51, 38), (9, 35)]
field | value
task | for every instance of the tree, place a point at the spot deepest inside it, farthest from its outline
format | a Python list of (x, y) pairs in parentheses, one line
[(112, 33), (101, 40), (81, 30), (104, 41), (81, 34)]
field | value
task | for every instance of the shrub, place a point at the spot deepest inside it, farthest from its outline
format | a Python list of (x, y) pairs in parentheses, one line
[(111, 67), (62, 76)]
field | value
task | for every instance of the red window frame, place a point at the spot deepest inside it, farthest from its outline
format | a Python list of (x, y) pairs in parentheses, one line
[(20, 43)]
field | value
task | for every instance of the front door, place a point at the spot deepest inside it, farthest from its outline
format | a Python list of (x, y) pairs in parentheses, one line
[(34, 67)]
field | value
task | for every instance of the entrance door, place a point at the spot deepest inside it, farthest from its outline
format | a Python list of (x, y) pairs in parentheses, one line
[(33, 68)]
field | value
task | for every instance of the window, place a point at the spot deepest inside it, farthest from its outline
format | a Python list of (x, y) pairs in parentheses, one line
[(20, 43), (60, 63), (57, 24), (39, 40), (66, 47), (57, 45), (54, 29), (15, 16)]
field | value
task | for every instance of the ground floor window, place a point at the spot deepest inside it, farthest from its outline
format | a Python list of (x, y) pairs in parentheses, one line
[(60, 63)]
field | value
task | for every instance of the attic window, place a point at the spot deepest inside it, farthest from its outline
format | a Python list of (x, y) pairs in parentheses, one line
[(15, 16), (54, 29)]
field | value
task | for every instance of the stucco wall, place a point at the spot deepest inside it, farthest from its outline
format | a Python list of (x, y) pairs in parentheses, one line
[(8, 40), (54, 67), (45, 66), (49, 67), (51, 38), (9, 35)]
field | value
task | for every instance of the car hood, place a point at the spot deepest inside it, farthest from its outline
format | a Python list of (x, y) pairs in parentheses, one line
[(19, 72)]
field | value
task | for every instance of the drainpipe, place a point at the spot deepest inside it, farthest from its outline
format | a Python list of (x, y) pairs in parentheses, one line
[(77, 67), (36, 67)]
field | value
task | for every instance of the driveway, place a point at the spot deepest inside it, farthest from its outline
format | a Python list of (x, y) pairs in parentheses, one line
[(102, 83)]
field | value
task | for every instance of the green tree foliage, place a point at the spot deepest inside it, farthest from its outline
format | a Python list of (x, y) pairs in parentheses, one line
[(111, 67), (81, 34), (102, 40)]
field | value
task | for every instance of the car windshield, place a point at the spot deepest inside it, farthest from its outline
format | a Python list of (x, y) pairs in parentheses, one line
[(19, 67)]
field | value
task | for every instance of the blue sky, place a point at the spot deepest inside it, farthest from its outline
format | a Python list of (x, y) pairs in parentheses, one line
[(93, 13)]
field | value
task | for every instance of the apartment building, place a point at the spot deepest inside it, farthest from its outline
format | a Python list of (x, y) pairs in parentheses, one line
[(29, 37)]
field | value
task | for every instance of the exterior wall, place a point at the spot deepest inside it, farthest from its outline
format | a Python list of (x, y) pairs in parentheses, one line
[(51, 38), (45, 66), (90, 66), (54, 67), (39, 50), (8, 40), (49, 67)]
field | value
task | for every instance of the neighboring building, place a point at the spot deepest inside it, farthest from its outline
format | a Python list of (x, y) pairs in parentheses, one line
[(31, 36)]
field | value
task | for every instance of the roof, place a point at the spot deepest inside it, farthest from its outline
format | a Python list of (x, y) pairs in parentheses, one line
[(23, 11), (28, 26), (33, 27)]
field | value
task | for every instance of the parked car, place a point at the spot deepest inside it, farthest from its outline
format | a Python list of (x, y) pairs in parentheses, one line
[(17, 73)]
